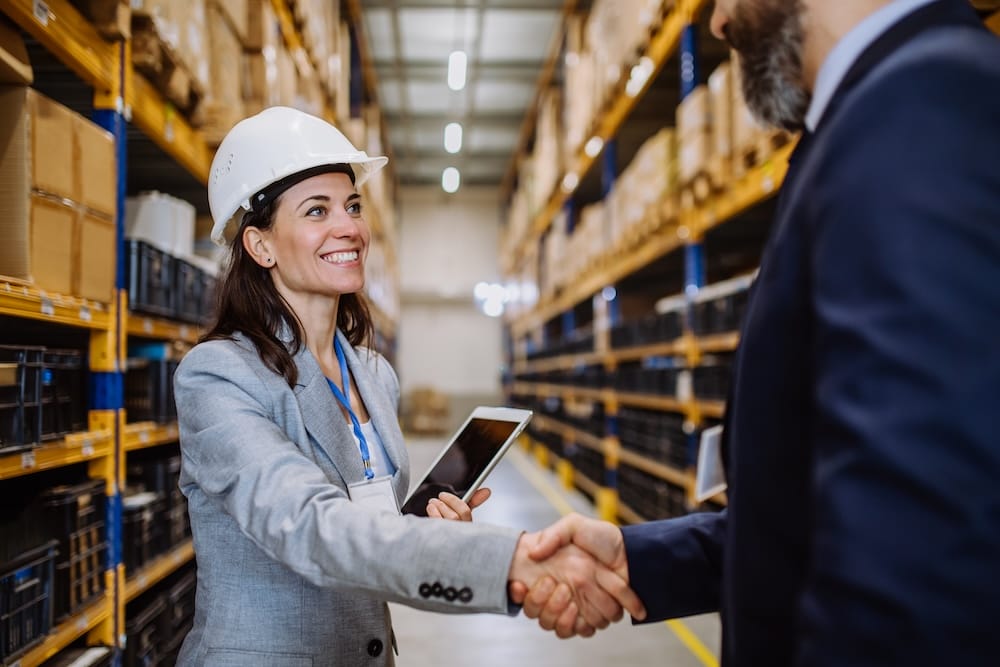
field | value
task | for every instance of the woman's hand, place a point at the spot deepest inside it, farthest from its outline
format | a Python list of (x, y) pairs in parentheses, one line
[(449, 506)]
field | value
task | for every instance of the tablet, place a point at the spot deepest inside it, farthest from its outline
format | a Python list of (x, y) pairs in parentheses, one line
[(469, 456)]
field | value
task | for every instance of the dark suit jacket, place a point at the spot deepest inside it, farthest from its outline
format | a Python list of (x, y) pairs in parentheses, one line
[(863, 448)]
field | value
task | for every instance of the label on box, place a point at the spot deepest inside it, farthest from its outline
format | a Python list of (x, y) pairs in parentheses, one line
[(27, 460), (41, 10)]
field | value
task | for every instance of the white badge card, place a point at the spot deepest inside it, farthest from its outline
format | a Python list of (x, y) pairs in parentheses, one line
[(710, 478), (375, 493)]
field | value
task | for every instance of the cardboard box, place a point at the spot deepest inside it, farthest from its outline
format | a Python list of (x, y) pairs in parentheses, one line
[(113, 18), (96, 175), (694, 113), (51, 130), (48, 256), (720, 86), (14, 64), (236, 14), (94, 258)]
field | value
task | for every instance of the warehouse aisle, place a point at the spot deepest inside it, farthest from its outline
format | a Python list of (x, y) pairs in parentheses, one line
[(528, 497)]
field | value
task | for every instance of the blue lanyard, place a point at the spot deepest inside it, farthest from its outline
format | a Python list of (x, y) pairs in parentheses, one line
[(343, 397)]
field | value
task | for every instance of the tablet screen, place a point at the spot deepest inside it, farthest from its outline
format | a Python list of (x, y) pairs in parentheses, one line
[(463, 462)]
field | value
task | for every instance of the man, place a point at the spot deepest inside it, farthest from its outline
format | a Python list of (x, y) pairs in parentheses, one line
[(863, 431)]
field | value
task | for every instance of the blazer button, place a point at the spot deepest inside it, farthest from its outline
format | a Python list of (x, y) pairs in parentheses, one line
[(425, 590), (450, 594), (465, 595), (375, 648), (437, 589)]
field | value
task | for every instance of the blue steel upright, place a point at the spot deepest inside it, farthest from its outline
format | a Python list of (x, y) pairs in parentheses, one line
[(694, 251)]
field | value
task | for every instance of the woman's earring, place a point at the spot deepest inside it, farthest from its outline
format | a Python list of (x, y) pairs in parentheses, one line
[(270, 260)]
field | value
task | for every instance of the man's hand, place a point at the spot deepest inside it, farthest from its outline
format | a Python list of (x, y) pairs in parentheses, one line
[(552, 600), (565, 586)]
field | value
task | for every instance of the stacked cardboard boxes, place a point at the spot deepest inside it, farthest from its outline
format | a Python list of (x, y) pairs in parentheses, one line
[(58, 195), (643, 200), (694, 133)]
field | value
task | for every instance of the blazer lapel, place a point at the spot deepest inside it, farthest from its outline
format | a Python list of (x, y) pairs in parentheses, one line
[(382, 413), (324, 421)]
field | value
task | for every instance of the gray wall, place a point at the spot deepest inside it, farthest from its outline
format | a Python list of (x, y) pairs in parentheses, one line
[(448, 243)]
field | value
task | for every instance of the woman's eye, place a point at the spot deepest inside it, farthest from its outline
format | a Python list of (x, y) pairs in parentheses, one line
[(316, 211), (354, 209)]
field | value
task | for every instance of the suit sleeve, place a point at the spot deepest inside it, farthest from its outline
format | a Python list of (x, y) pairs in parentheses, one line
[(906, 284), (675, 566), (281, 500)]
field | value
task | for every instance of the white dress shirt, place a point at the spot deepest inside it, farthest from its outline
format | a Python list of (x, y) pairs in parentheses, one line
[(849, 49)]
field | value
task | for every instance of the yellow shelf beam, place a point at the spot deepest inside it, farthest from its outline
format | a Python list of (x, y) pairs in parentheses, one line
[(74, 448), (158, 570), (680, 478), (993, 22), (20, 300), (629, 515), (726, 342), (145, 326), (714, 409), (68, 631), (70, 37), (585, 483), (650, 402), (161, 122), (758, 185), (142, 435), (662, 46), (570, 432)]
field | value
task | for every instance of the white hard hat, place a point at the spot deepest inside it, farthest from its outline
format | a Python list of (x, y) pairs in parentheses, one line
[(275, 144)]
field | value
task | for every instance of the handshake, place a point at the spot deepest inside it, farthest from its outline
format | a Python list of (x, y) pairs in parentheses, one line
[(573, 577)]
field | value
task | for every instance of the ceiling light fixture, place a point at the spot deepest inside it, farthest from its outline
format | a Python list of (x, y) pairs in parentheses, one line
[(450, 180), (457, 63), (453, 137)]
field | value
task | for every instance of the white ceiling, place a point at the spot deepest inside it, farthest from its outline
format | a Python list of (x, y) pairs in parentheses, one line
[(507, 42)]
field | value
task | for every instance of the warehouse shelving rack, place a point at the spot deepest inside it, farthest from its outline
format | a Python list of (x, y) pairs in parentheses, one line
[(675, 37), (120, 97)]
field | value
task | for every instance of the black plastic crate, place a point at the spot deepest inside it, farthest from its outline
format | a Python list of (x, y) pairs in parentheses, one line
[(93, 656), (150, 274), (75, 517), (149, 390), (189, 287), (20, 397), (144, 634), (143, 535), (26, 600), (63, 393), (180, 604)]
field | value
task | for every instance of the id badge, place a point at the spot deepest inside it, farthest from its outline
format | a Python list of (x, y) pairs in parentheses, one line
[(375, 493)]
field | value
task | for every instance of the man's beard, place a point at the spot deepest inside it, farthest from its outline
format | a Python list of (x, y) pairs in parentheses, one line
[(769, 35)]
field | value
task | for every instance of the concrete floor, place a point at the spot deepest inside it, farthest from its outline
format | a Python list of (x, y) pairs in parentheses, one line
[(526, 496)]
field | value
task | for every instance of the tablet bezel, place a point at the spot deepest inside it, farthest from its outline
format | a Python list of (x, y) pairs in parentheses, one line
[(514, 415)]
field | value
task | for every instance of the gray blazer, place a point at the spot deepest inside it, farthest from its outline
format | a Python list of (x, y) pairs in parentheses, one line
[(290, 571)]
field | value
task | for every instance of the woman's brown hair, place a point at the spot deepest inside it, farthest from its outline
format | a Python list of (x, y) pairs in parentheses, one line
[(248, 302)]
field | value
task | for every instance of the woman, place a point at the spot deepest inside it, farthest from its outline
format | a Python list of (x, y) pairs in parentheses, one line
[(291, 447)]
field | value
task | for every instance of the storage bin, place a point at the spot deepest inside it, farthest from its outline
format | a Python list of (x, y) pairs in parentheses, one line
[(141, 536), (143, 635), (64, 400), (26, 600), (20, 397), (75, 517), (149, 390), (150, 273)]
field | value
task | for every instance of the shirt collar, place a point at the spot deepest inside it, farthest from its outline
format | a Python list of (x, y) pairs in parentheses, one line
[(849, 49)]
